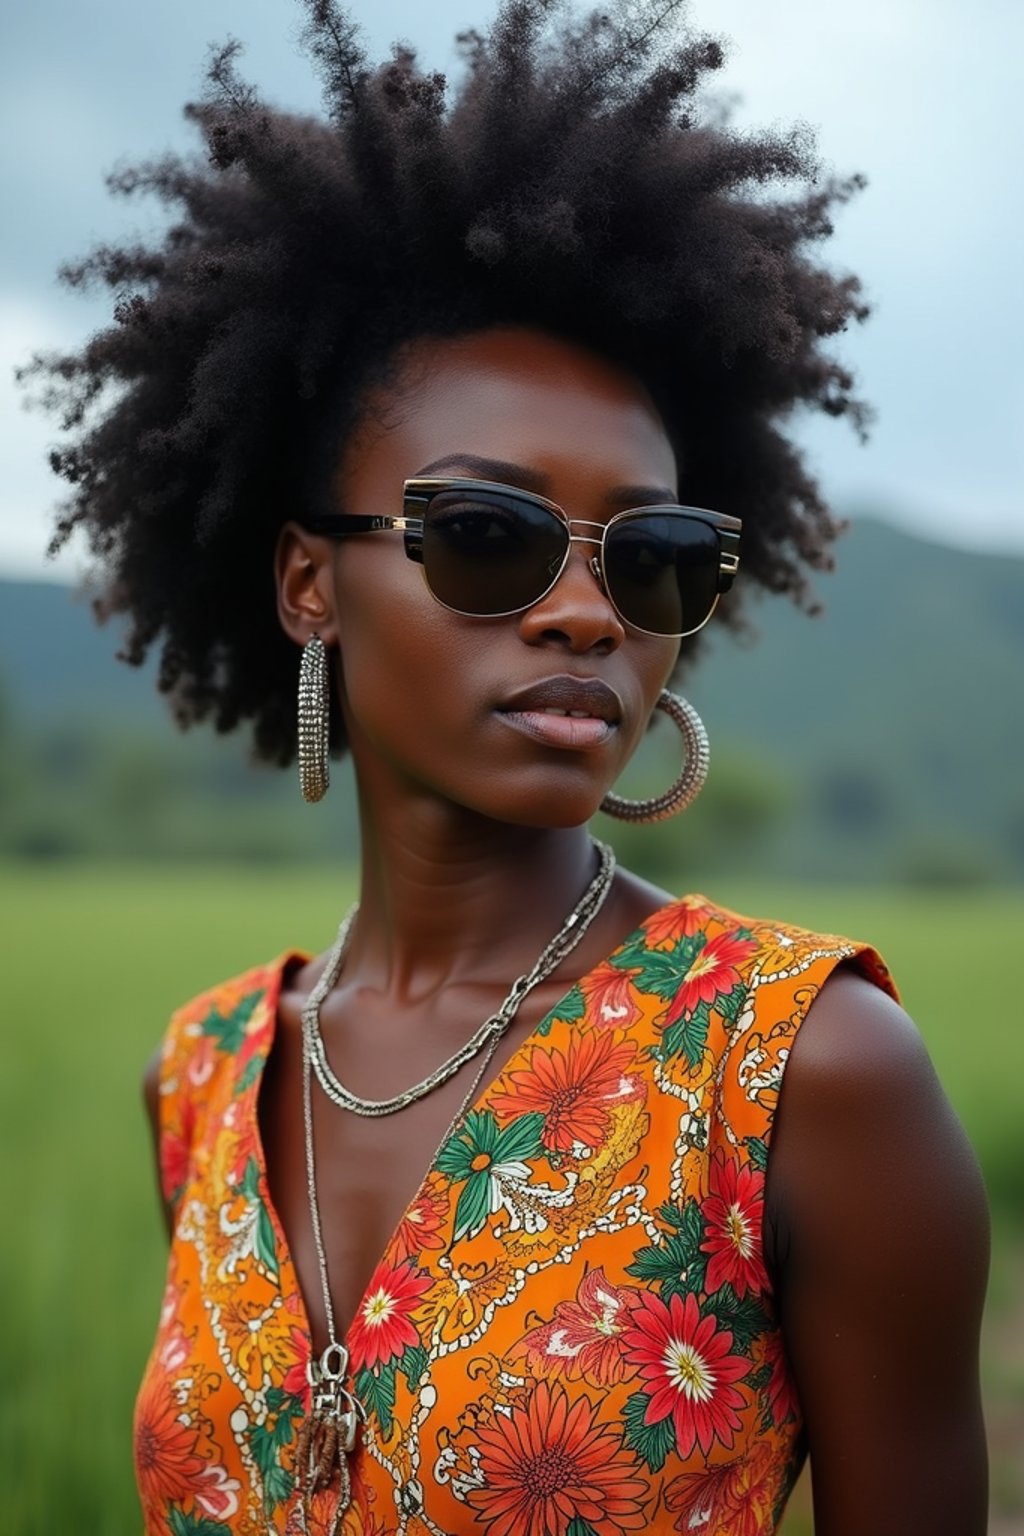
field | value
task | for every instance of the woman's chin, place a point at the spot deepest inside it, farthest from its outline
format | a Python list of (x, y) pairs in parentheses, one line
[(555, 812)]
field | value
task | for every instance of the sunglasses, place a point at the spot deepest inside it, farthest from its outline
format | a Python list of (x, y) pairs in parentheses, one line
[(490, 550)]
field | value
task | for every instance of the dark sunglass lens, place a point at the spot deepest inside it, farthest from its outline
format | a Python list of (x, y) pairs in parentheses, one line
[(486, 553), (662, 571)]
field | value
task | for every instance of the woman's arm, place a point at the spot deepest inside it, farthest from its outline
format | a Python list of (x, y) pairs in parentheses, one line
[(151, 1099), (878, 1228)]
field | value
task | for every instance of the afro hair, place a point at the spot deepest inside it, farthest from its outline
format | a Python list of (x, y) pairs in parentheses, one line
[(578, 176)]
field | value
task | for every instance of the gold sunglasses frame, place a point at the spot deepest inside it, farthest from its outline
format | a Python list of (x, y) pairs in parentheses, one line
[(418, 493)]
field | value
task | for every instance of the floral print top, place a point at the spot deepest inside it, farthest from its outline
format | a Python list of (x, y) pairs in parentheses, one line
[(572, 1331)]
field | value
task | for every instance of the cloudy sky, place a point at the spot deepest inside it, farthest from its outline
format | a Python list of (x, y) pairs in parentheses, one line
[(921, 95)]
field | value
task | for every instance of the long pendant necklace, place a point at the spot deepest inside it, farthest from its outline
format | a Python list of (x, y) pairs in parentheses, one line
[(331, 1430)]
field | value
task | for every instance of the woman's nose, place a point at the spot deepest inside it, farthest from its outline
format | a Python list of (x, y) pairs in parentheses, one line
[(577, 613)]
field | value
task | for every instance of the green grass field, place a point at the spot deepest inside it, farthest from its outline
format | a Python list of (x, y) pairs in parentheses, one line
[(95, 960)]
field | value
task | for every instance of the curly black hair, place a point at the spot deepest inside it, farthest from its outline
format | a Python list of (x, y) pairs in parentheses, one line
[(578, 178)]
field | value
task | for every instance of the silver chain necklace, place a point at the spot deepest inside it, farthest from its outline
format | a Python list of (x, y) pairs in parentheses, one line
[(330, 1431), (564, 941)]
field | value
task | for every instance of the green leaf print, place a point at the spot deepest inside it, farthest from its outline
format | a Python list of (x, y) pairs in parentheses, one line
[(730, 1005), (677, 1264), (692, 1224), (289, 1409), (743, 1318), (667, 1264), (473, 1206), (637, 955), (519, 1140), (194, 1525), (228, 1029), (266, 1243), (760, 1378), (265, 1442), (377, 1393), (758, 1149), (687, 1037), (650, 1441), (578, 1527), (251, 1072), (455, 1158), (568, 1011), (631, 955), (277, 1487), (412, 1362), (477, 1139), (476, 1153), (481, 1130), (663, 972), (251, 1181)]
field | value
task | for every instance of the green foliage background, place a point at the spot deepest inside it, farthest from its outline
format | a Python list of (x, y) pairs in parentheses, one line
[(99, 957)]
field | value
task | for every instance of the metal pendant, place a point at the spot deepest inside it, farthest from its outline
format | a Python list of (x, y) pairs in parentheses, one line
[(329, 1434)]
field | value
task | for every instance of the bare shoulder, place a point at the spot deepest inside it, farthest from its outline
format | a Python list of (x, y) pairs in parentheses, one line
[(877, 1234), (858, 1047), (863, 1114)]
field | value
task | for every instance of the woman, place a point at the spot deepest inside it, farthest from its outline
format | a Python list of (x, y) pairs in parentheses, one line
[(451, 1252)]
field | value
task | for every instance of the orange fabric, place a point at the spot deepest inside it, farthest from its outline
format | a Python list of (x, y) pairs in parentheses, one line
[(572, 1332)]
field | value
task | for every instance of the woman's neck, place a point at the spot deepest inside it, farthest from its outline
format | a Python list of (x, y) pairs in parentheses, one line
[(447, 896)]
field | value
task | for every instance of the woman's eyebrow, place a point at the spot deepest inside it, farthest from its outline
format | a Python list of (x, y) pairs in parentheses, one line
[(499, 470), (506, 473), (641, 495)]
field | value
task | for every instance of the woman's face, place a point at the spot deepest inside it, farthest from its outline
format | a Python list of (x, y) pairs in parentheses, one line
[(447, 704)]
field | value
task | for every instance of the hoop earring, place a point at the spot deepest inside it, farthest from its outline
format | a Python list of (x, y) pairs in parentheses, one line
[(691, 779), (314, 721)]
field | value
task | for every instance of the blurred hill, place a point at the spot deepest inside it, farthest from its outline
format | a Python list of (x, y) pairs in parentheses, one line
[(884, 737)]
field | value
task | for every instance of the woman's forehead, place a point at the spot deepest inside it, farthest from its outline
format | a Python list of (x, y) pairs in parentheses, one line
[(519, 396)]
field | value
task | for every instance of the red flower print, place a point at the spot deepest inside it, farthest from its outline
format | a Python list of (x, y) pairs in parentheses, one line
[(608, 992), (174, 1152), (571, 1089), (738, 1497), (166, 1462), (175, 1149), (295, 1380), (584, 1339), (696, 1498), (752, 1492), (733, 1214), (712, 973), (681, 920), (687, 1369), (421, 1225), (361, 1516), (546, 1464), (782, 1398), (217, 1494), (381, 1328)]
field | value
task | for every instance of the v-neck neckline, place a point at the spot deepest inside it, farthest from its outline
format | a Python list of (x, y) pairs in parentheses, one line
[(293, 1295)]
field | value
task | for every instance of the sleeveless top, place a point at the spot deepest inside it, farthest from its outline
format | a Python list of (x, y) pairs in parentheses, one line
[(572, 1331)]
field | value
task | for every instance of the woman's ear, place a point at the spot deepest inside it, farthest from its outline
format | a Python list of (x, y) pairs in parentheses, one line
[(303, 572)]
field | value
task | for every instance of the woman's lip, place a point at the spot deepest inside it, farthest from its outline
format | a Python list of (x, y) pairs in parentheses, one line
[(566, 694), (572, 731)]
